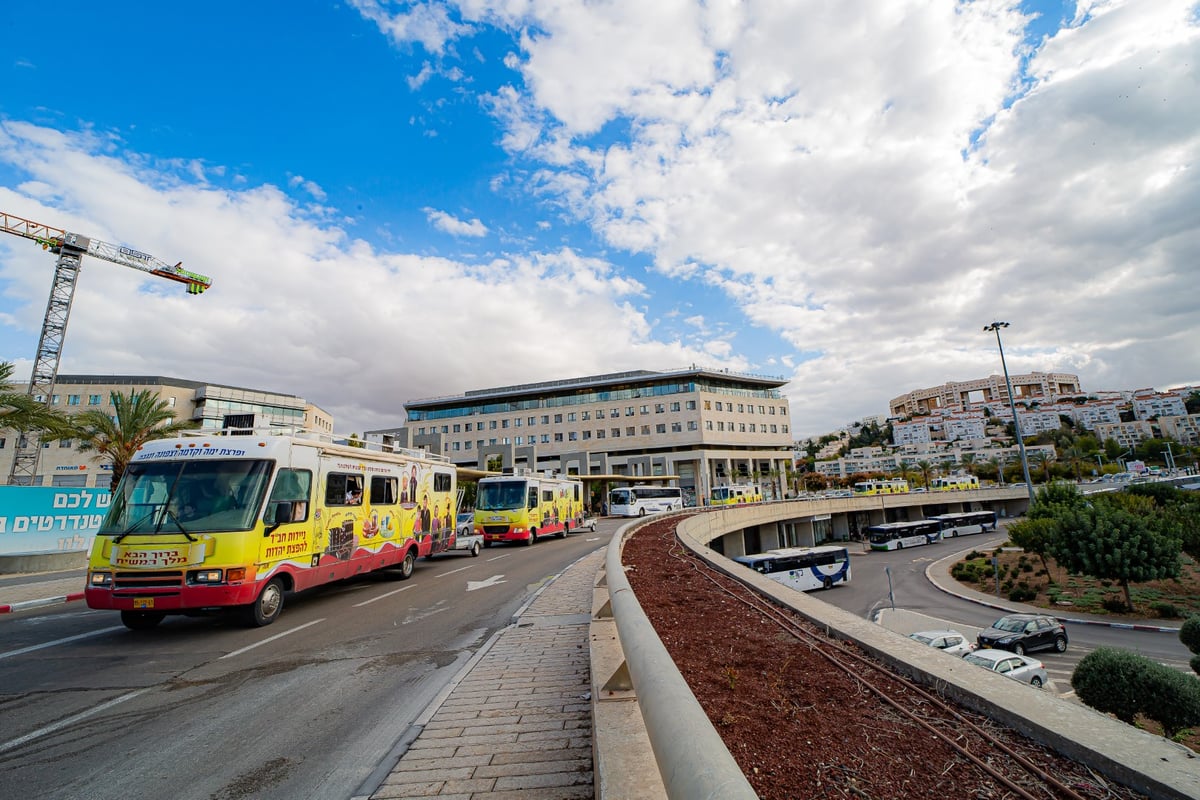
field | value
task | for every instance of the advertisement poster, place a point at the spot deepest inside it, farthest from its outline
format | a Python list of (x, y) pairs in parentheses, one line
[(44, 519)]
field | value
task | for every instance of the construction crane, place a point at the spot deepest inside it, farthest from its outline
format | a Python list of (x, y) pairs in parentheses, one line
[(70, 248)]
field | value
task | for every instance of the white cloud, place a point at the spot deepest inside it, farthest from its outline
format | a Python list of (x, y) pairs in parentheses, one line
[(453, 225)]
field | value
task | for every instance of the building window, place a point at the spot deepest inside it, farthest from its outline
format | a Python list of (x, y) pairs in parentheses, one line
[(456, 446), (753, 428), (445, 429), (492, 424), (772, 410), (676, 427), (94, 400), (72, 399), (66, 443), (467, 427), (707, 405), (545, 438), (675, 406), (53, 399), (720, 426), (616, 433), (645, 409), (571, 417), (631, 431), (691, 405), (599, 413), (600, 433), (585, 415), (741, 427), (532, 421), (2, 443), (586, 436), (692, 426), (708, 426), (660, 429), (503, 423), (517, 441), (457, 428), (505, 440), (558, 419), (773, 429), (659, 408), (558, 437), (614, 413), (572, 436), (545, 419), (720, 406), (466, 445), (629, 411)]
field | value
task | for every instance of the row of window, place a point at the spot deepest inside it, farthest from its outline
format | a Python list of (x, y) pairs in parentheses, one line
[(614, 433)]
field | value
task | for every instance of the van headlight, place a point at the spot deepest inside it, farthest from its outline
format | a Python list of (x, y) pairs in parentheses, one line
[(100, 580), (205, 576)]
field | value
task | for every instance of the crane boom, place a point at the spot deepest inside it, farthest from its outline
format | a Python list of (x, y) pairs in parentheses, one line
[(70, 247)]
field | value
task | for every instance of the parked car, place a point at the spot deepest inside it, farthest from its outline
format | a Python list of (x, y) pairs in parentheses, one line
[(947, 641), (1010, 665), (465, 522), (1024, 633)]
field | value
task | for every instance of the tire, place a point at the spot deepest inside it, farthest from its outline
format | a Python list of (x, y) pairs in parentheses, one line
[(1035, 682), (1060, 644), (566, 528), (141, 620), (407, 565), (266, 608), (532, 539), (1019, 649), (899, 545), (475, 550), (828, 583), (641, 512)]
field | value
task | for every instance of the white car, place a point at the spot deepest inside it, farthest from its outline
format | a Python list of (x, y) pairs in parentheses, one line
[(1019, 668), (947, 641)]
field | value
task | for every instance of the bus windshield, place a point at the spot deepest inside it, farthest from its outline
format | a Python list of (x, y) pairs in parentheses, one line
[(187, 497), (500, 496)]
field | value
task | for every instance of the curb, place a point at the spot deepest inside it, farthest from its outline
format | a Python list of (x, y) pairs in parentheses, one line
[(8, 608), (1133, 626)]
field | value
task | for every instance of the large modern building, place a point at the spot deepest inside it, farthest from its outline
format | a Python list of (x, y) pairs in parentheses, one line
[(1041, 386), (211, 406), (708, 427)]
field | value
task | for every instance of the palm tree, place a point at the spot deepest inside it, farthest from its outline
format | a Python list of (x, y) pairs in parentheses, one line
[(139, 417), (925, 466), (968, 462), (23, 414), (1042, 459), (998, 465)]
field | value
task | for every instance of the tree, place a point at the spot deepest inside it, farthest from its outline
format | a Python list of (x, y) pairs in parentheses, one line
[(925, 467), (138, 417), (22, 413), (1119, 537), (968, 462), (1042, 459)]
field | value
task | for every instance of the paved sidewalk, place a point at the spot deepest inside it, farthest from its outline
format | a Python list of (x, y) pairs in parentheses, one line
[(518, 724), (20, 592)]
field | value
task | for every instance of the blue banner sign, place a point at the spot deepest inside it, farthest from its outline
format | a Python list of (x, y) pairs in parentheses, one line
[(42, 519)]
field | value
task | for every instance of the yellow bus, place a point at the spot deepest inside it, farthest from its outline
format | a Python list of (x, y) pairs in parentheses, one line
[(209, 521), (950, 483), (884, 486), (735, 494), (523, 507)]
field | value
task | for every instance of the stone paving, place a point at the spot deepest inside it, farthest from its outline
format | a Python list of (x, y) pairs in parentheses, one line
[(519, 724)]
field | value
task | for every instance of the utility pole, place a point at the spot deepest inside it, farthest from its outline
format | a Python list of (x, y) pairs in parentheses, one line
[(996, 326)]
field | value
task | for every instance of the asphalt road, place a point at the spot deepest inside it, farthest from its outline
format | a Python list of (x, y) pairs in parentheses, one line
[(868, 592), (204, 708)]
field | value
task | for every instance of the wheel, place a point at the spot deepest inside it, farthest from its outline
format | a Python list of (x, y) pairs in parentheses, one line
[(1019, 649), (828, 583), (141, 620), (266, 608), (532, 538), (563, 533), (641, 512), (406, 566), (1035, 682), (899, 545), (1060, 644), (475, 549)]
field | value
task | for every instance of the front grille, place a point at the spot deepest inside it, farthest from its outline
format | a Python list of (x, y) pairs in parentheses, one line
[(147, 580), (494, 529)]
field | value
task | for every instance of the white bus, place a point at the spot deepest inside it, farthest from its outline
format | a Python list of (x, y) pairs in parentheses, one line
[(803, 568), (638, 501), (899, 535), (965, 522)]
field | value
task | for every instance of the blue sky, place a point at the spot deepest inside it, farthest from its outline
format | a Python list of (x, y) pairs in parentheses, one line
[(405, 200)]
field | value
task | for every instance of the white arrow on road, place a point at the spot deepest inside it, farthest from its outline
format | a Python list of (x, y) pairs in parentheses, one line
[(492, 581)]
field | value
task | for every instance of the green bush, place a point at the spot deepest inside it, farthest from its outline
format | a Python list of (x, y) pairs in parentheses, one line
[(1021, 593), (1110, 681), (1115, 604), (1195, 664), (1164, 609), (1189, 634), (1125, 684)]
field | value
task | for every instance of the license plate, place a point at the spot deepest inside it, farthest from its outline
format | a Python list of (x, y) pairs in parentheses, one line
[(143, 602)]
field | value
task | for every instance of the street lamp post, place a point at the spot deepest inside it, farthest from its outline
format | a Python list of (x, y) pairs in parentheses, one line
[(996, 326)]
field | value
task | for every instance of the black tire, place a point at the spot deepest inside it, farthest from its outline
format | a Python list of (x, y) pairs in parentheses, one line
[(1019, 649), (1035, 682), (899, 545), (141, 620), (828, 583), (563, 533), (1060, 644), (408, 564), (532, 540), (475, 550), (267, 606), (641, 512)]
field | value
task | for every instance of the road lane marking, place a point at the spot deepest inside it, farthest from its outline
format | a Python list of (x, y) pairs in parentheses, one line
[(40, 732), (270, 639), (497, 558), (492, 581), (57, 642), (382, 596), (451, 572)]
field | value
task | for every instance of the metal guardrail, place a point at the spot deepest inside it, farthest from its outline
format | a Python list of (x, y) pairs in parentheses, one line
[(692, 758)]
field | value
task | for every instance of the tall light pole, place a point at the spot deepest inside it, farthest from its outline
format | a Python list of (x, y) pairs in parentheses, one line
[(996, 326)]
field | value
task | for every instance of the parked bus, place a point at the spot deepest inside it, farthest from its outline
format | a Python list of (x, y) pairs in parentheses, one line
[(803, 568), (949, 483), (885, 486), (524, 507), (638, 501), (735, 494), (210, 521), (965, 522), (899, 535)]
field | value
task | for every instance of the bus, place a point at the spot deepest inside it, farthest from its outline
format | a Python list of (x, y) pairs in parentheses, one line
[(950, 483), (735, 494), (899, 535), (638, 501), (965, 522), (886, 486), (803, 568), (210, 521), (523, 507)]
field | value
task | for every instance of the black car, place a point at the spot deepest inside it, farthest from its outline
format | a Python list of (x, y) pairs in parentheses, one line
[(1024, 633)]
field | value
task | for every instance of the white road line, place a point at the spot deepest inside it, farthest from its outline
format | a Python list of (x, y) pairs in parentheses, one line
[(9, 745), (451, 572), (270, 639), (57, 642), (382, 596), (497, 558)]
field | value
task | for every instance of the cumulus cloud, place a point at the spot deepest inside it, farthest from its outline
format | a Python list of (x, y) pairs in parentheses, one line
[(453, 225)]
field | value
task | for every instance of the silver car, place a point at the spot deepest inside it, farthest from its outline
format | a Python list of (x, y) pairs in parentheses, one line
[(947, 641), (1018, 667)]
